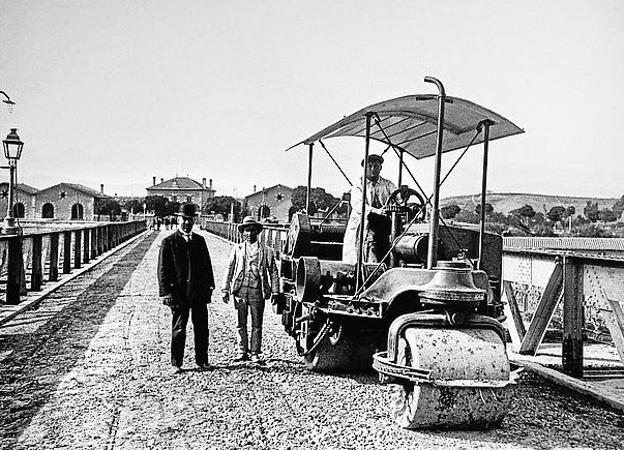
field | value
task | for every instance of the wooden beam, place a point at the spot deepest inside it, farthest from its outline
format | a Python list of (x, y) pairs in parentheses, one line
[(614, 320), (544, 312), (573, 318), (514, 322)]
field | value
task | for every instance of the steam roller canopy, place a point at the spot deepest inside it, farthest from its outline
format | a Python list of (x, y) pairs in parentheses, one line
[(470, 368)]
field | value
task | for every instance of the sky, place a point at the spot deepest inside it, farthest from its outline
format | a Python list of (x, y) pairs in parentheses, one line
[(116, 92)]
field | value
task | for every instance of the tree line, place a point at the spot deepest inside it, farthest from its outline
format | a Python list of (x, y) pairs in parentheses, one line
[(558, 220)]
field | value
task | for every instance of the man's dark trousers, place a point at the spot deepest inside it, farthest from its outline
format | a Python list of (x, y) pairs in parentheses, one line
[(199, 317), (185, 273)]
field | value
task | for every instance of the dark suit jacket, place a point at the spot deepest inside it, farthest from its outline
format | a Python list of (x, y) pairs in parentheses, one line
[(185, 270)]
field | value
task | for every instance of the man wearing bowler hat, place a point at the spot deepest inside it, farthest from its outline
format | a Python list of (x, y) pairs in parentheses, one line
[(375, 222), (186, 283), (251, 277)]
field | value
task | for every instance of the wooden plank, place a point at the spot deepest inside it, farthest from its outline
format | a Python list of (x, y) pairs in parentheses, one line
[(77, 249), (573, 318), (54, 257), (67, 251), (614, 320), (37, 271), (544, 312), (514, 322)]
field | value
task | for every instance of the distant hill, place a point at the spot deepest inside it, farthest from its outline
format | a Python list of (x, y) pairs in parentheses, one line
[(508, 201)]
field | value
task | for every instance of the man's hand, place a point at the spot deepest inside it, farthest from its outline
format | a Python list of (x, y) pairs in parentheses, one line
[(167, 300), (226, 296)]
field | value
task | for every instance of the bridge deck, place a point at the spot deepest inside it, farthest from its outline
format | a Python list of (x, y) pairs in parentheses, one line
[(89, 369)]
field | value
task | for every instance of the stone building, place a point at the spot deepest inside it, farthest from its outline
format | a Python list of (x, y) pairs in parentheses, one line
[(182, 190), (24, 202), (273, 201), (67, 201)]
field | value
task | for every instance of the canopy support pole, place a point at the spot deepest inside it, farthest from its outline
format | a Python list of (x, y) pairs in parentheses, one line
[(400, 167), (360, 256), (432, 251), (309, 187), (486, 144)]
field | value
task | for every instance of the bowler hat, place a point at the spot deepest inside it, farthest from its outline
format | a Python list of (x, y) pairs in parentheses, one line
[(373, 157), (249, 221), (188, 210)]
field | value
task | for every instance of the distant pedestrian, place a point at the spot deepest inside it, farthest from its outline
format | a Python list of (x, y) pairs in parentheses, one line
[(186, 283), (158, 222), (167, 223), (251, 277)]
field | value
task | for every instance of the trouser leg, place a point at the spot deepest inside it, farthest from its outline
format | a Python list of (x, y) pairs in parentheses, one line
[(178, 334), (242, 338), (257, 312), (199, 316)]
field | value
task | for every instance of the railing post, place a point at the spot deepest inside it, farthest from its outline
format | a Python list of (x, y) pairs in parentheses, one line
[(100, 243), (15, 270), (572, 344), (37, 272), (67, 251), (86, 255), (93, 243), (77, 245), (104, 238), (54, 256)]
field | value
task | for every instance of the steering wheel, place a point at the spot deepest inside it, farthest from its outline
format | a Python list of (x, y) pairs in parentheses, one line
[(412, 208)]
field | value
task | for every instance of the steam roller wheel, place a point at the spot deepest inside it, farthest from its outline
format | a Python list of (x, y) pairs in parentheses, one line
[(462, 356), (350, 354)]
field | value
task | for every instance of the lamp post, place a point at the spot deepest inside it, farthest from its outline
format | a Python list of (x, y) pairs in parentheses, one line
[(12, 151)]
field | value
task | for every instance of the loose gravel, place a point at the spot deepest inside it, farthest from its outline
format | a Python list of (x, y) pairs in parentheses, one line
[(89, 369)]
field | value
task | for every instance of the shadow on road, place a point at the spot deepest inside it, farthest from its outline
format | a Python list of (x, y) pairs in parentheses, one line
[(38, 359)]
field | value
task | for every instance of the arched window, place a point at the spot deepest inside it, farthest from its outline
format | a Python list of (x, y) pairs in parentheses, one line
[(264, 211), (18, 210), (77, 212), (47, 212)]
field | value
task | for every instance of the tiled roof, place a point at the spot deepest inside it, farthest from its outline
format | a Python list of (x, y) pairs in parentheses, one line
[(22, 187), (182, 183), (78, 187), (277, 186)]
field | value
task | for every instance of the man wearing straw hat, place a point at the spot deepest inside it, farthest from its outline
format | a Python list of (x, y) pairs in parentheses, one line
[(186, 283), (251, 277)]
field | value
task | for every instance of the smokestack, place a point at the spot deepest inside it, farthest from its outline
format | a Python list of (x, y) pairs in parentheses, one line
[(203, 182), (101, 188), (162, 180), (254, 188), (210, 181), (153, 181)]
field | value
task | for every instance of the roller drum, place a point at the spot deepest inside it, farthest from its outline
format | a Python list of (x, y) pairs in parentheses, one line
[(471, 368)]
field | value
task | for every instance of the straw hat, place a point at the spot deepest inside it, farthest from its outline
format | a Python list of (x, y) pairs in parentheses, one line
[(249, 221)]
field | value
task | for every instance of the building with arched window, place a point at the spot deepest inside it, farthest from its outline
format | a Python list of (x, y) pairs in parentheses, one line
[(23, 203), (67, 201), (271, 202)]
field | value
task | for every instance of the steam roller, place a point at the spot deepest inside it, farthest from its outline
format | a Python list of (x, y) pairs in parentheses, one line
[(426, 310)]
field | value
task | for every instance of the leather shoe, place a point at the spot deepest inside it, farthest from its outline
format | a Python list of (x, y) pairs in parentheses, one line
[(176, 370), (241, 357), (205, 367)]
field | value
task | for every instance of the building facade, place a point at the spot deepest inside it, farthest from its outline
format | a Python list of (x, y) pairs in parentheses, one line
[(182, 190), (24, 202), (274, 201), (66, 201)]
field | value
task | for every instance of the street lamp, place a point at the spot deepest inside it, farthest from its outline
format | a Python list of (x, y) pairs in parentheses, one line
[(12, 151)]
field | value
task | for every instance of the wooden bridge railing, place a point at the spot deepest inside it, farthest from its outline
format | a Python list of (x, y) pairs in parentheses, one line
[(272, 235), (27, 261)]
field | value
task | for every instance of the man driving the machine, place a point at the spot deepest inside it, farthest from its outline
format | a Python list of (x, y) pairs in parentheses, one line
[(375, 222)]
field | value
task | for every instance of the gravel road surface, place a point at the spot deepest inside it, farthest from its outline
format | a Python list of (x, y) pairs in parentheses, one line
[(89, 369)]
